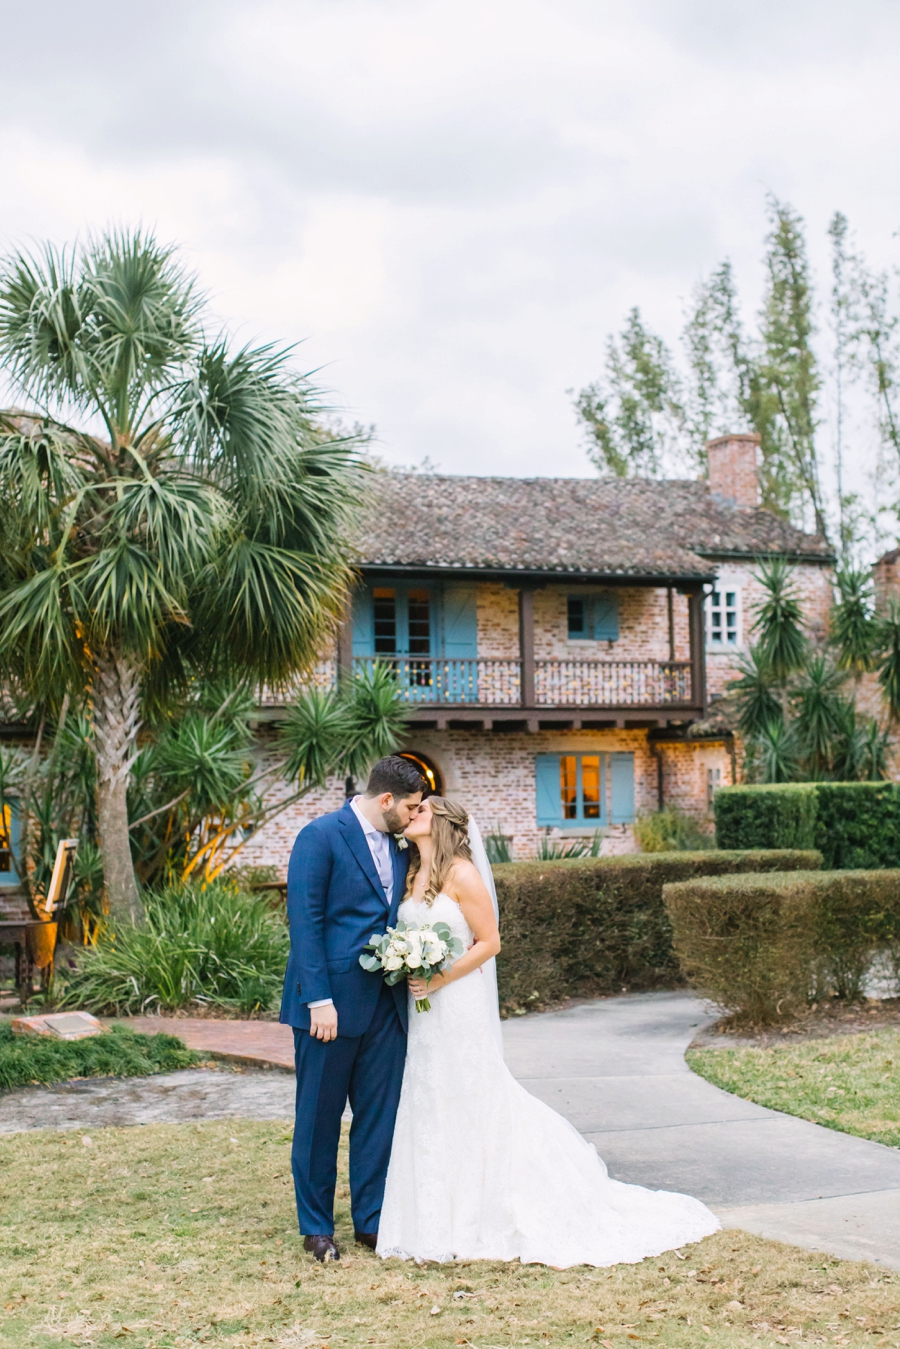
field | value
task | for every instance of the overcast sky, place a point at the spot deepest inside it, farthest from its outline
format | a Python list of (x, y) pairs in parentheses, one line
[(452, 202)]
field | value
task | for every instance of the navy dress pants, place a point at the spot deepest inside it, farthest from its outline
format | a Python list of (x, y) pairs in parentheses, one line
[(367, 1069)]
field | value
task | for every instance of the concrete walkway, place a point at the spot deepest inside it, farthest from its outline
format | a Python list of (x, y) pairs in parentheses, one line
[(616, 1069)]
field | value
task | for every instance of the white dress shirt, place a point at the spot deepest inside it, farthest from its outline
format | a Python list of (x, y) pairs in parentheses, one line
[(380, 848)]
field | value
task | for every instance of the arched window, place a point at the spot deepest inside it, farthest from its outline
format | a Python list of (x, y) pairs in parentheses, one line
[(430, 773)]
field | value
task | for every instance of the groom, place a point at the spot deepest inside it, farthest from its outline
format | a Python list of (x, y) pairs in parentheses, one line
[(345, 882)]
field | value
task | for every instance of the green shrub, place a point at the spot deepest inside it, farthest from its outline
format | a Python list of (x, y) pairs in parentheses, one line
[(215, 945), (855, 825), (858, 824), (670, 830), (593, 925), (119, 1052), (763, 946), (779, 815)]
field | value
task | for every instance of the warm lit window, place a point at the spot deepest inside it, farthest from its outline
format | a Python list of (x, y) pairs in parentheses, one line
[(582, 788), (723, 618)]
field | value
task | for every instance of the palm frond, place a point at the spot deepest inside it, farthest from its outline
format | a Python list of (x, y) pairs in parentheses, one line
[(889, 660), (270, 608), (756, 704), (312, 737), (820, 713), (854, 629), (779, 619), (375, 718)]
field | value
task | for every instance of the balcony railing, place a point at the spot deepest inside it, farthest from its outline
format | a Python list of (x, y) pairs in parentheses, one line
[(488, 682), (437, 679), (612, 683)]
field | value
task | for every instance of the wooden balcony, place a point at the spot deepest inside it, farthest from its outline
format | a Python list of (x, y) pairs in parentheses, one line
[(465, 689)]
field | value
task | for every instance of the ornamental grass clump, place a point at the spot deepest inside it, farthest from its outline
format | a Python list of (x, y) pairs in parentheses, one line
[(118, 1052), (211, 945)]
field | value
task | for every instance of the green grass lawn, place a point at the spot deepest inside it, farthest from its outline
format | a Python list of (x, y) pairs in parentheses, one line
[(846, 1082), (171, 1236), (119, 1052)]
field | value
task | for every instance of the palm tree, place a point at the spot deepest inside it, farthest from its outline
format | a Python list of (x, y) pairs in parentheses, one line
[(167, 505)]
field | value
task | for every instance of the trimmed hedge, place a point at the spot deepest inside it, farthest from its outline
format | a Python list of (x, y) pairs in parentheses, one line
[(773, 816), (763, 946), (595, 925), (855, 825), (858, 825)]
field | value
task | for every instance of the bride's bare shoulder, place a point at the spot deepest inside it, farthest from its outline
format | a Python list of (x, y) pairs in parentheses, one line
[(463, 878)]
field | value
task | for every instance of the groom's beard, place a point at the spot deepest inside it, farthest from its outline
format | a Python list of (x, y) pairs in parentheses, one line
[(393, 822)]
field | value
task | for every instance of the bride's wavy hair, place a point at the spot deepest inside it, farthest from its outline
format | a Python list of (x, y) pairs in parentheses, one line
[(449, 840)]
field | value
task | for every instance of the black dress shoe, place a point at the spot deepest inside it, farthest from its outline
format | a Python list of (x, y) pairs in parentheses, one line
[(323, 1248), (369, 1239)]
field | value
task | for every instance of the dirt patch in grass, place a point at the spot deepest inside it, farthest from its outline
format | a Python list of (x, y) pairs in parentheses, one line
[(173, 1235), (847, 1082), (818, 1022)]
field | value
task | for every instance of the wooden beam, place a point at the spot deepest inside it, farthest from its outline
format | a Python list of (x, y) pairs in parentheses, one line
[(697, 623), (670, 604), (526, 644), (345, 644)]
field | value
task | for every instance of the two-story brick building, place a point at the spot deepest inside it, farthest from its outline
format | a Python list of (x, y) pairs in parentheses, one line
[(561, 640)]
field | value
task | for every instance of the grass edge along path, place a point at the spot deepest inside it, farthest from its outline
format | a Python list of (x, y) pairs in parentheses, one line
[(29, 1060), (172, 1235), (846, 1082)]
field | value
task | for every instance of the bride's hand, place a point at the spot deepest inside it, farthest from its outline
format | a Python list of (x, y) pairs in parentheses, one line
[(420, 989)]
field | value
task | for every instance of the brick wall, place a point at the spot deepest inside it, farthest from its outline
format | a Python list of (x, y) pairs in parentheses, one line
[(498, 621), (814, 585), (492, 774), (643, 627), (733, 470)]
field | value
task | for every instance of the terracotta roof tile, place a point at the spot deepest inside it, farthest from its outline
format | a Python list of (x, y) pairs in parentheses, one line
[(620, 527)]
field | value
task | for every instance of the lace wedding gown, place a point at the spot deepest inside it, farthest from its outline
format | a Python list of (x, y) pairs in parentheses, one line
[(482, 1170)]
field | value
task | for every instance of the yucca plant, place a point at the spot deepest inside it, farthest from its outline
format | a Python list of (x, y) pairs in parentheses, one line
[(819, 715), (781, 641), (168, 504), (200, 945), (889, 660), (854, 628)]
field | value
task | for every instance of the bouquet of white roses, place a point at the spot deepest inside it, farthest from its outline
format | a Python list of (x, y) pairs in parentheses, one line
[(410, 952)]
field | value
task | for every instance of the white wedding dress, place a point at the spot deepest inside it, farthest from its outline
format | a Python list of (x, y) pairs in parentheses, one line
[(482, 1170)]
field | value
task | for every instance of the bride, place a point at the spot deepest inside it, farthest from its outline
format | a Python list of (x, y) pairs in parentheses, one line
[(480, 1169)]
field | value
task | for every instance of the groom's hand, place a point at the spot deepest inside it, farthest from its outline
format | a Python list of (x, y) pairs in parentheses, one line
[(323, 1022)]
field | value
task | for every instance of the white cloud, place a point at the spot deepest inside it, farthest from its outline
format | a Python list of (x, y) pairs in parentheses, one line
[(451, 202)]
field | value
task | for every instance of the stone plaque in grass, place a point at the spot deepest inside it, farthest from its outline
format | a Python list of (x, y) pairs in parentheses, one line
[(61, 1025)]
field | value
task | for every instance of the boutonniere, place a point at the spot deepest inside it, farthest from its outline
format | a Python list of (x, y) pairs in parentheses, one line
[(401, 842)]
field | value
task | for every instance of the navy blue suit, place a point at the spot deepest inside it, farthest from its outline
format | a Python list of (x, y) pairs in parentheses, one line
[(336, 901)]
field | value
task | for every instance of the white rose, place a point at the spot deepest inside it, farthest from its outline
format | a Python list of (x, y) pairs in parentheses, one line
[(392, 961)]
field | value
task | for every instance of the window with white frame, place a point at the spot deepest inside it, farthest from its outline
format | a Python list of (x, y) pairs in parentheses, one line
[(723, 617)]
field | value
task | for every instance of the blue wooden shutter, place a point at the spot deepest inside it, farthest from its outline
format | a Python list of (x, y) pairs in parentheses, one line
[(11, 877), (621, 777), (460, 623), (549, 802), (606, 618), (363, 623)]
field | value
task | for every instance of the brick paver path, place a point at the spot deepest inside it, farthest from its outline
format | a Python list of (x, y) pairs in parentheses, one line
[(262, 1043)]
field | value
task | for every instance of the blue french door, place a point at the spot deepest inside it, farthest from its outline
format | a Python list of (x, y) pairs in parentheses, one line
[(429, 634)]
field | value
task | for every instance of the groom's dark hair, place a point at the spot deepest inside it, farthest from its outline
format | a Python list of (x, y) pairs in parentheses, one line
[(398, 776)]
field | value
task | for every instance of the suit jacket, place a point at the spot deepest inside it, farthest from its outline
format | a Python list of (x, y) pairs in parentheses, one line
[(335, 903)]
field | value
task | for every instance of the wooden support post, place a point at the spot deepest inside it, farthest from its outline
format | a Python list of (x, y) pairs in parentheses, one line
[(670, 605), (696, 618), (345, 646), (526, 645)]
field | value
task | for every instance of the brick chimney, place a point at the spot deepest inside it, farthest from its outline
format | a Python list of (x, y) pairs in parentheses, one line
[(733, 473)]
